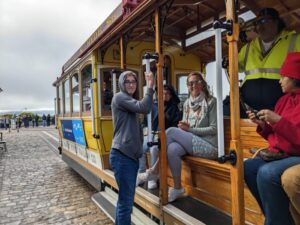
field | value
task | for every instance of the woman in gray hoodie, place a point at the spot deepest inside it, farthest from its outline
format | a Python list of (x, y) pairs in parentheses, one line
[(128, 139)]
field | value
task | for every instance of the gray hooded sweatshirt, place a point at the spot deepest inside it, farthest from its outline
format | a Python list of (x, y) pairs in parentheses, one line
[(128, 136)]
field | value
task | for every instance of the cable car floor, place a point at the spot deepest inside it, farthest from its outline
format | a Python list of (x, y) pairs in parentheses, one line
[(200, 211)]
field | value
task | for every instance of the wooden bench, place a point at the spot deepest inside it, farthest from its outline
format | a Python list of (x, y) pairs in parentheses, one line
[(209, 181)]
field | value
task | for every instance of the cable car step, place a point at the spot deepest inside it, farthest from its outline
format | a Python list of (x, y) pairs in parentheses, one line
[(107, 201), (196, 210)]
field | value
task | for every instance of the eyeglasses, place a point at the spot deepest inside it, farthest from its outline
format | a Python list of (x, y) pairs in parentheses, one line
[(128, 82), (193, 83), (262, 21)]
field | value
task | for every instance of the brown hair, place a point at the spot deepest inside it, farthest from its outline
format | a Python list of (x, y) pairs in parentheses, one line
[(203, 82)]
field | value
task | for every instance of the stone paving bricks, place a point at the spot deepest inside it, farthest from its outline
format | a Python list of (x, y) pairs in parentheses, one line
[(37, 187)]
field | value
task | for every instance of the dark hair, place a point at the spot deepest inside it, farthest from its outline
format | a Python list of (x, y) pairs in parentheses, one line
[(203, 82), (274, 14), (172, 92), (297, 83)]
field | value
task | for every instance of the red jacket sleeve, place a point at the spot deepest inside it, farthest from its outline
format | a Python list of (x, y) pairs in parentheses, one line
[(265, 132), (288, 130)]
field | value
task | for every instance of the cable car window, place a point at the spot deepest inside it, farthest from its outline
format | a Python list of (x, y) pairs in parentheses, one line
[(75, 93), (107, 89), (167, 70), (181, 84), (60, 99), (67, 96), (86, 88), (182, 89)]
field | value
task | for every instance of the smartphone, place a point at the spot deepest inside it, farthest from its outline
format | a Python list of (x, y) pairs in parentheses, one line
[(248, 108)]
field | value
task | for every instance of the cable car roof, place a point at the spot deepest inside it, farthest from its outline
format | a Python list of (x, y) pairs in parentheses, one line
[(187, 23)]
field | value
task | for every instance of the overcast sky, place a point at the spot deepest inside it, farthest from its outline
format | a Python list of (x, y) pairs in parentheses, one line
[(36, 38)]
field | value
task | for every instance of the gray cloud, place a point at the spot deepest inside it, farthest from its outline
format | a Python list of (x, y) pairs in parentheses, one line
[(36, 39)]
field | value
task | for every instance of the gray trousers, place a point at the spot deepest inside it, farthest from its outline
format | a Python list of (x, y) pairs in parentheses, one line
[(180, 143)]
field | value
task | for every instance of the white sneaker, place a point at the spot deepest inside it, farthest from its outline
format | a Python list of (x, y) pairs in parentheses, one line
[(173, 194), (143, 177), (152, 184)]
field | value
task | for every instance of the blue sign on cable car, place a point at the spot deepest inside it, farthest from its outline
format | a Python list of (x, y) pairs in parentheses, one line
[(73, 130)]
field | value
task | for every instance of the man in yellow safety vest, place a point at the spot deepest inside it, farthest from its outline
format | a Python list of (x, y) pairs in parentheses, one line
[(262, 58)]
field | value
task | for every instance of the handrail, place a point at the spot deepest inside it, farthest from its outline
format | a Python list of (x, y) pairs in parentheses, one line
[(114, 78), (219, 91), (149, 115), (94, 98)]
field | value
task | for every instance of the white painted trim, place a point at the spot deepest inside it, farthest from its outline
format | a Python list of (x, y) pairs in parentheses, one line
[(181, 216)]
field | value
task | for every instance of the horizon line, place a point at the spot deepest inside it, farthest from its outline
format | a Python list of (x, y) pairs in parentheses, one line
[(26, 110)]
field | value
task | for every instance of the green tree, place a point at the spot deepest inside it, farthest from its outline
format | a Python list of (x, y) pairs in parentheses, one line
[(27, 114)]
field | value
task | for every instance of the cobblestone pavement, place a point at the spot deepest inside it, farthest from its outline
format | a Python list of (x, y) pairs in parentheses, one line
[(37, 187)]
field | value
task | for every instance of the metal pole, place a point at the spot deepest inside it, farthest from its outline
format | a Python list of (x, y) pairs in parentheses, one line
[(114, 77), (219, 91), (149, 116)]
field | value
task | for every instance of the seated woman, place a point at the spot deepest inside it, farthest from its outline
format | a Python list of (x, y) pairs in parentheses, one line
[(196, 134), (282, 130), (172, 117)]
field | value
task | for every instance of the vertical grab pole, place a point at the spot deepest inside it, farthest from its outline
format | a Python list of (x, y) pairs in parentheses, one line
[(94, 98), (114, 78), (219, 89), (237, 170), (122, 53), (92, 107), (163, 163), (149, 116)]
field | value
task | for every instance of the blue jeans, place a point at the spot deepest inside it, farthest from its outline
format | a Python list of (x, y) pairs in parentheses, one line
[(264, 181), (125, 171), (153, 155)]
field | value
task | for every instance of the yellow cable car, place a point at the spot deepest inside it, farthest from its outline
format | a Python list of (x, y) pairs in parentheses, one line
[(180, 32)]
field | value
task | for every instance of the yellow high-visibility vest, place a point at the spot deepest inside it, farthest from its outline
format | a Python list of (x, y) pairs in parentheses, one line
[(255, 66)]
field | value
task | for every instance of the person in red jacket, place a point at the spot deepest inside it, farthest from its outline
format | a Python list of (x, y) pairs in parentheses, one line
[(281, 128)]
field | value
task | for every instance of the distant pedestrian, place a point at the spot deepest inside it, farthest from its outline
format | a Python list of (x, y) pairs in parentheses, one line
[(19, 121), (48, 120), (6, 123), (44, 120), (53, 120), (26, 121), (32, 121), (29, 120), (36, 118)]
